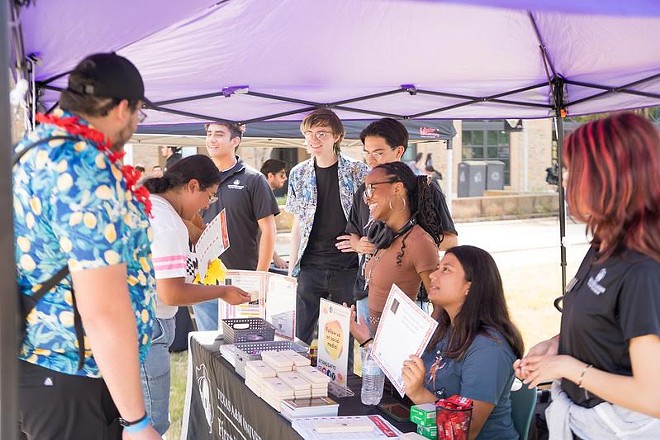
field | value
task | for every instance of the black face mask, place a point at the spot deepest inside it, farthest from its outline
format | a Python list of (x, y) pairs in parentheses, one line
[(382, 236)]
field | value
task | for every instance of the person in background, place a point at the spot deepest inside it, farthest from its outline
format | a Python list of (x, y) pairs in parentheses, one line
[(605, 361), (471, 352), (156, 171), (171, 154), (320, 195), (275, 172), (140, 168), (186, 187), (251, 209), (76, 206), (384, 141)]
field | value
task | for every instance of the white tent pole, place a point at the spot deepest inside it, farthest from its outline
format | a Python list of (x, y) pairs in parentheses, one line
[(525, 157), (449, 177)]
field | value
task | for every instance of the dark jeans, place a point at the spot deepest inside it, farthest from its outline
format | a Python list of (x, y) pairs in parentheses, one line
[(57, 406), (314, 284)]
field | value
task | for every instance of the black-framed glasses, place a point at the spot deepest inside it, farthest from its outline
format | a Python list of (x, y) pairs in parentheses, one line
[(320, 135), (369, 188), (142, 115)]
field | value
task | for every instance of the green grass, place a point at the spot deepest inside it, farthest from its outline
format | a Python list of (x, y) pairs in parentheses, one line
[(179, 367)]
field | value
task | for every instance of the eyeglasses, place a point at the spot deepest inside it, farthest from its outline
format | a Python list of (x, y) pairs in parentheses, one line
[(375, 154), (320, 135), (370, 187), (141, 116), (212, 198)]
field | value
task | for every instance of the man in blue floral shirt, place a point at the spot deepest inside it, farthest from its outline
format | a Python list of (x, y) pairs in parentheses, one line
[(75, 205), (320, 195)]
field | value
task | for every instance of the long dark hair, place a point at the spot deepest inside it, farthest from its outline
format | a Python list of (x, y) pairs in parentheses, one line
[(613, 166), (197, 167), (420, 200), (484, 309)]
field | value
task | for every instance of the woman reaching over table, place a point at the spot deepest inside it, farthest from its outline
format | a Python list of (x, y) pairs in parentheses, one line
[(405, 221), (606, 359), (186, 187), (475, 343)]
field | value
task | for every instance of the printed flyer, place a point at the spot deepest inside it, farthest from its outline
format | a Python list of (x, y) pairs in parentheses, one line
[(334, 337)]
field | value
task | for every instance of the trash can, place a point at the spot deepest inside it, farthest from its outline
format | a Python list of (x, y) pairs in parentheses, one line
[(471, 178), (494, 174)]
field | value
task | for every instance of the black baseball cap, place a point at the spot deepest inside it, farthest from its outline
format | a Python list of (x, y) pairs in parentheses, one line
[(107, 75)]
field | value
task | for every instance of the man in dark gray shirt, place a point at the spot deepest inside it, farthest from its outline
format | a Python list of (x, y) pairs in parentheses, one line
[(251, 208)]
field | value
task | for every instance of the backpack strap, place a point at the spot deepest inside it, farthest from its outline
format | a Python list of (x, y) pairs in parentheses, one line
[(28, 304)]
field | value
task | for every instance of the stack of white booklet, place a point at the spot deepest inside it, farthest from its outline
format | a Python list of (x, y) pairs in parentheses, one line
[(346, 428), (318, 380), (255, 373), (285, 375), (277, 360), (314, 407), (273, 391)]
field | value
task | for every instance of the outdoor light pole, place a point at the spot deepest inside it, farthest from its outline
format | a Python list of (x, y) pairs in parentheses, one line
[(8, 292)]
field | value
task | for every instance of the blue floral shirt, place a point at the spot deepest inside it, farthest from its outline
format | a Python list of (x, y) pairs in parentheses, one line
[(302, 197), (71, 206)]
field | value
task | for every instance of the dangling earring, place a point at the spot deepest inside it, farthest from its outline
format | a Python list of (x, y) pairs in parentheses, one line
[(403, 206), (467, 291)]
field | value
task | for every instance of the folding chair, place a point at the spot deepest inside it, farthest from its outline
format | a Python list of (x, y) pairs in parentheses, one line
[(523, 403)]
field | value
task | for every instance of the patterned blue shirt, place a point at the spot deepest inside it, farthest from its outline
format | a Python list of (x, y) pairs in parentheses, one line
[(302, 197), (71, 206)]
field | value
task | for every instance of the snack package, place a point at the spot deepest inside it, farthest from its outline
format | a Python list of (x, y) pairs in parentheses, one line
[(453, 417)]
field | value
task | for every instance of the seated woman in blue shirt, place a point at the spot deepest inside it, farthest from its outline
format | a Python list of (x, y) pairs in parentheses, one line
[(473, 347)]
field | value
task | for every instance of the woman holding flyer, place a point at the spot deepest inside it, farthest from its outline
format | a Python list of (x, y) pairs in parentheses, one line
[(605, 362), (475, 343), (406, 221), (186, 187)]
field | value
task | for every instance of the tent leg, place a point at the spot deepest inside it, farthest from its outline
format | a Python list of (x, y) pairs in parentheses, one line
[(8, 293), (559, 126)]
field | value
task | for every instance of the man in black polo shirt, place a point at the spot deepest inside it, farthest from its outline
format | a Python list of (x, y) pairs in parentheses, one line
[(251, 208)]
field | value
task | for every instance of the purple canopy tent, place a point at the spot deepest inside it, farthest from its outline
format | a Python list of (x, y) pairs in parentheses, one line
[(274, 60)]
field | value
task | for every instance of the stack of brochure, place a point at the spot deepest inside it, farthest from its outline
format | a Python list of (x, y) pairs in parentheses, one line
[(318, 380), (346, 427), (274, 391), (228, 351), (314, 407), (255, 373)]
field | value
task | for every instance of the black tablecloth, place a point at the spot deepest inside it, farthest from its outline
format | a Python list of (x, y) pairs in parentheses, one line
[(222, 407)]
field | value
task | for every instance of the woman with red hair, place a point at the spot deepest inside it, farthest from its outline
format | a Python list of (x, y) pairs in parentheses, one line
[(606, 360)]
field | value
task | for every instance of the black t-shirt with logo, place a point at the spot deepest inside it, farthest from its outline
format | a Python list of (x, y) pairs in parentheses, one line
[(608, 304), (245, 194), (329, 223)]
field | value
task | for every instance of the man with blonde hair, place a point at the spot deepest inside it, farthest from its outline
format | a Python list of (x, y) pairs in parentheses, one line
[(320, 195)]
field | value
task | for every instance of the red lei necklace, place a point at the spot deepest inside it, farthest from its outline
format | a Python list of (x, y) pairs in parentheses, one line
[(131, 175)]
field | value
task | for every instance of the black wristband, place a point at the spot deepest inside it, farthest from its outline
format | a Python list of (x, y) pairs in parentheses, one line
[(125, 423), (366, 342)]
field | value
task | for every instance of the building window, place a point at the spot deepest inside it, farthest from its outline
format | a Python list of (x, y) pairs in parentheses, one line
[(487, 140)]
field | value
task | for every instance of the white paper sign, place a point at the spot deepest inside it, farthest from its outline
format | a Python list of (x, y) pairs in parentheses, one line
[(272, 297), (252, 282), (334, 336), (281, 304), (212, 243), (402, 320)]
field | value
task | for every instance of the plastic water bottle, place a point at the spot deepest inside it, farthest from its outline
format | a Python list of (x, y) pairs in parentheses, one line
[(373, 379)]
